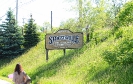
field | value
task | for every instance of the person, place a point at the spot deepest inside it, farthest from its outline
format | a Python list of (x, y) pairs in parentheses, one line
[(19, 76)]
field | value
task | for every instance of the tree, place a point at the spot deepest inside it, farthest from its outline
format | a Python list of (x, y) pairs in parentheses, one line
[(30, 34), (12, 40), (46, 26), (1, 43), (125, 16), (68, 24)]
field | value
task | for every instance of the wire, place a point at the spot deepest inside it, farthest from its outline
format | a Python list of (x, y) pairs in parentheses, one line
[(26, 3), (3, 3), (7, 3), (19, 7)]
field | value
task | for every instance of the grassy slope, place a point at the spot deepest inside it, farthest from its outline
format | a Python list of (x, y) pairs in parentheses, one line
[(79, 66)]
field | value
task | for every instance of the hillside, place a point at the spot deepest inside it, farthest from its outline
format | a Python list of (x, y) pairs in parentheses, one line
[(103, 63)]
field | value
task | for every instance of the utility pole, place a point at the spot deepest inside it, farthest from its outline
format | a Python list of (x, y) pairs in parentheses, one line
[(51, 20), (16, 11)]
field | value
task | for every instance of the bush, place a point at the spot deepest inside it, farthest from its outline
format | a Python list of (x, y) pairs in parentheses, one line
[(121, 54), (101, 36), (125, 17), (42, 36)]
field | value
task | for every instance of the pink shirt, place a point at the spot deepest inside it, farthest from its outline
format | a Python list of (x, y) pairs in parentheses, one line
[(19, 78)]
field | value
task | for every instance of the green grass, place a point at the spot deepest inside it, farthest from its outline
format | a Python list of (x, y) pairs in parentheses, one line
[(79, 66)]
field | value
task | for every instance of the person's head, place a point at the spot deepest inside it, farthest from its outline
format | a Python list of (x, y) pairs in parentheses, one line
[(18, 68)]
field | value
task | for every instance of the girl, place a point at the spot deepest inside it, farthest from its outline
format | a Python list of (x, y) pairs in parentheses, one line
[(19, 76)]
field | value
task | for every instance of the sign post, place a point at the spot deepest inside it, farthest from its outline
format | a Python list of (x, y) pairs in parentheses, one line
[(63, 39), (64, 50), (47, 54)]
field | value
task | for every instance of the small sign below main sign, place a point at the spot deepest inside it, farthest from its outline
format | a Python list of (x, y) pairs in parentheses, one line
[(64, 39)]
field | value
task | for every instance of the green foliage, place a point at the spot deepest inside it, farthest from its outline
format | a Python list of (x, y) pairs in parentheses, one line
[(10, 40), (101, 35), (118, 34), (42, 36), (89, 65), (98, 20), (121, 53), (1, 39), (30, 34), (70, 24), (125, 17), (46, 27), (92, 64)]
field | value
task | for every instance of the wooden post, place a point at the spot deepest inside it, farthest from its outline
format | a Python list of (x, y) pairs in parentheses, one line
[(87, 34), (64, 50), (47, 54)]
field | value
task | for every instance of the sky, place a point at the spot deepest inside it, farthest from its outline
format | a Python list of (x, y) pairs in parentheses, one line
[(40, 10)]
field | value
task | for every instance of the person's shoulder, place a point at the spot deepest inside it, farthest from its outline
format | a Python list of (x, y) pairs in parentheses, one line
[(15, 73), (24, 72)]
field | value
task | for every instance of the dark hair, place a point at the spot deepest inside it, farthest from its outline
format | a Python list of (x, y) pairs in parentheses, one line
[(18, 68)]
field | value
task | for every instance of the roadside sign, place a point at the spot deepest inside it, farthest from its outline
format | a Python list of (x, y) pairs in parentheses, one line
[(64, 39)]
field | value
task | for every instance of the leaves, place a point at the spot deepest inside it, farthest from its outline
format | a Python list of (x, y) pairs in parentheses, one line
[(31, 36), (11, 39), (125, 17), (122, 52)]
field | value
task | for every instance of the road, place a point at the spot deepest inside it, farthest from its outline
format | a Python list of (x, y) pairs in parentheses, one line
[(4, 82)]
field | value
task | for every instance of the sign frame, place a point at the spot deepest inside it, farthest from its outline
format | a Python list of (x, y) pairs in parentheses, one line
[(63, 39)]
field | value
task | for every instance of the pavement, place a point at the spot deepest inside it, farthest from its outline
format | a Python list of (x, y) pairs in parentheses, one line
[(4, 82)]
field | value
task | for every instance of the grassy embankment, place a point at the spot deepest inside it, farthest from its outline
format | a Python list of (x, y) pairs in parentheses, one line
[(80, 66)]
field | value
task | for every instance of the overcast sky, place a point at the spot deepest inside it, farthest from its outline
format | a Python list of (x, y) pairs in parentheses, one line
[(40, 10)]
